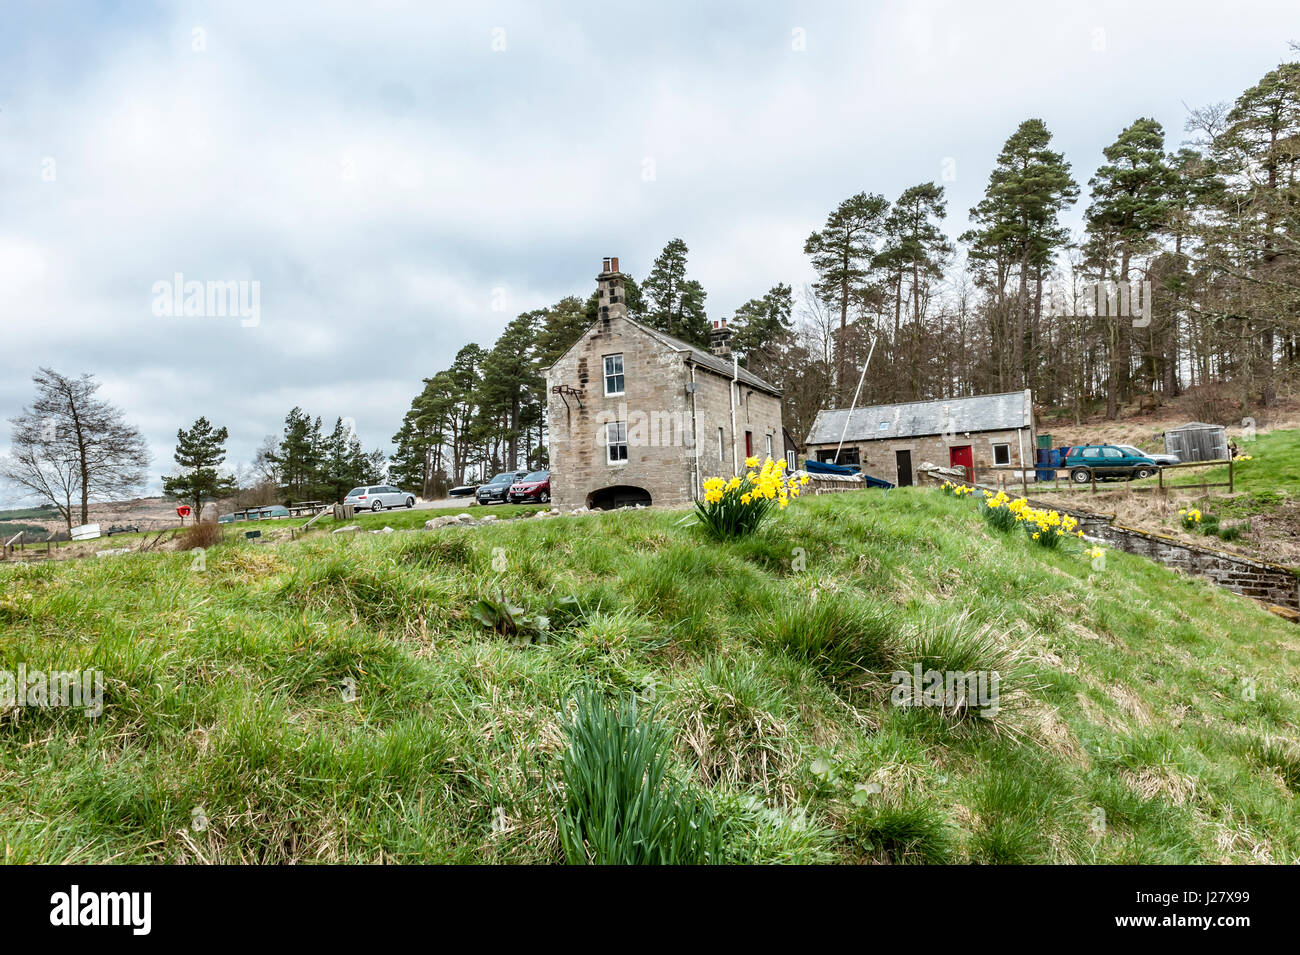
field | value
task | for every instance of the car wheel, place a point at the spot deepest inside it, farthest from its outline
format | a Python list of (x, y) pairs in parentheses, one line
[(410, 502), (1143, 473), (1080, 476), (544, 497), (377, 506)]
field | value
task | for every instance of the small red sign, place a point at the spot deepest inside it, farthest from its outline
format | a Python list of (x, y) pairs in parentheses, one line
[(183, 510)]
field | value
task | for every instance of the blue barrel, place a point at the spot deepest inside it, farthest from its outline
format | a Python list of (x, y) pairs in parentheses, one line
[(1048, 457)]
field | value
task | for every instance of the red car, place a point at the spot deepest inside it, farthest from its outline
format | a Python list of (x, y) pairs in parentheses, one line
[(533, 487)]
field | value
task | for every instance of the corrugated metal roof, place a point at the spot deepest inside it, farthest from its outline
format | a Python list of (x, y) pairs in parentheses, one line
[(910, 419), (706, 358)]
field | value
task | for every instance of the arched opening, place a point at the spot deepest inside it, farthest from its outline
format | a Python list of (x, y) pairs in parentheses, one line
[(620, 495)]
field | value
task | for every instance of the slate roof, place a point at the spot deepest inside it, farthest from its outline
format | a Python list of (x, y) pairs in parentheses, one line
[(912, 419), (702, 356)]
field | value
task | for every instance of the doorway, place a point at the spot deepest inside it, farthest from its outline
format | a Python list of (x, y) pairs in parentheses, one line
[(904, 460), (962, 456)]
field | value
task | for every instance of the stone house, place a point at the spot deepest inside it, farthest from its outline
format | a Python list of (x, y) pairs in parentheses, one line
[(890, 441), (636, 416)]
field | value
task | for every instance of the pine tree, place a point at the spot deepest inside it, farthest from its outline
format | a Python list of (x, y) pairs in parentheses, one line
[(842, 254), (761, 327), (1017, 225), (672, 302), (1130, 205), (199, 451)]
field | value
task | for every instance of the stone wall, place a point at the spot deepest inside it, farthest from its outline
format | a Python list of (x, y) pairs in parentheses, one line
[(1271, 583)]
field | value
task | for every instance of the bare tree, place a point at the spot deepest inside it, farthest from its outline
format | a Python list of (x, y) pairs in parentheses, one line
[(72, 447)]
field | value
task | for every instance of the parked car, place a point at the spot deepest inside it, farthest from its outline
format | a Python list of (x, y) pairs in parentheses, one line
[(531, 487), (376, 497), (463, 490), (498, 488), (1107, 461), (1161, 458)]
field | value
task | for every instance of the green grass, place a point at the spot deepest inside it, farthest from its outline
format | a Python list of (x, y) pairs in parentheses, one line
[(333, 699)]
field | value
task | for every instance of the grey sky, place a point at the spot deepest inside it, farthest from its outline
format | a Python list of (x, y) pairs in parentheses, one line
[(404, 178)]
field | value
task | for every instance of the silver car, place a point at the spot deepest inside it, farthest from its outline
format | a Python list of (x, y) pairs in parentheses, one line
[(377, 497), (1159, 457)]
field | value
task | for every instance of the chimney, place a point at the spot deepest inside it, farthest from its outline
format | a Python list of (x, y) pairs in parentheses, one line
[(609, 284), (720, 339)]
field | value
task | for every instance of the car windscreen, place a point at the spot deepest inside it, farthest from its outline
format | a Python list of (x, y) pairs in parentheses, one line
[(505, 477), (537, 476)]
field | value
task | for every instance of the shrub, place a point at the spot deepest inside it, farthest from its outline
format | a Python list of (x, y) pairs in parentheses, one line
[(620, 805), (737, 507), (204, 534)]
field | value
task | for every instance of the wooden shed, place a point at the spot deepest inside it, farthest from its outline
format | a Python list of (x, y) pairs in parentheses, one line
[(1197, 441)]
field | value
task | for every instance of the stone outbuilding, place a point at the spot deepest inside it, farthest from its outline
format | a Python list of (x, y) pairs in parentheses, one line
[(637, 416), (891, 441)]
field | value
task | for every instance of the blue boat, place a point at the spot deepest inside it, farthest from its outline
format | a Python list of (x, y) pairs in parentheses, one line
[(825, 467)]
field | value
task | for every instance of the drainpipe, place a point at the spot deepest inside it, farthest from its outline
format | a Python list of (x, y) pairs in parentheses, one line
[(735, 375), (695, 437)]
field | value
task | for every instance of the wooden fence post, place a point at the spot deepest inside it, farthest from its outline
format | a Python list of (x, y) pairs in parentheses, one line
[(1229, 474)]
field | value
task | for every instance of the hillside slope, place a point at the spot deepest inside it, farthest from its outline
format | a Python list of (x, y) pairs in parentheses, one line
[(336, 699)]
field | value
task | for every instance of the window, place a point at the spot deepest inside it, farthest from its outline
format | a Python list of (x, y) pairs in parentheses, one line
[(749, 444), (1112, 453), (1092, 452), (613, 374), (790, 461), (848, 456), (768, 442), (616, 441), (883, 426), (1001, 454), (722, 454)]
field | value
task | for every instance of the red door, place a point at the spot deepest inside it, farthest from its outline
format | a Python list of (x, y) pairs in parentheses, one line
[(962, 455), (749, 444)]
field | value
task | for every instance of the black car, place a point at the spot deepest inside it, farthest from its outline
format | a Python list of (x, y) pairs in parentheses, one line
[(495, 490)]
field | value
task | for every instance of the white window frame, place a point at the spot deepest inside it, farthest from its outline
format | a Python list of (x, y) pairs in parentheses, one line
[(768, 440), (1001, 444), (621, 374), (615, 438), (791, 461), (722, 445)]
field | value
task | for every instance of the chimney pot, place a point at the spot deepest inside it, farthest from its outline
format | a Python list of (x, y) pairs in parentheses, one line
[(614, 264), (606, 262)]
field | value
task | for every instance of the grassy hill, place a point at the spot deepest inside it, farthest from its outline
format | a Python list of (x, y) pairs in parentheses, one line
[(338, 699)]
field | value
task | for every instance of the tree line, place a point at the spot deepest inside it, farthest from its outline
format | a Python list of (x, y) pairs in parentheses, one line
[(1185, 277), (71, 448)]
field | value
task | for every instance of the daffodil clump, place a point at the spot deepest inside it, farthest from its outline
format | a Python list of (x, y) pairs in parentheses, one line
[(1047, 528), (956, 490), (1191, 518), (999, 510), (736, 507)]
